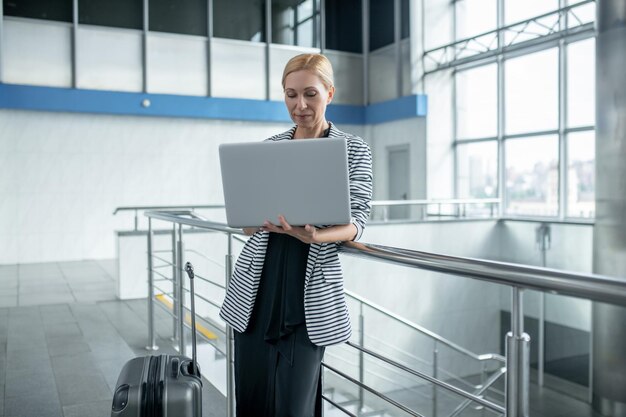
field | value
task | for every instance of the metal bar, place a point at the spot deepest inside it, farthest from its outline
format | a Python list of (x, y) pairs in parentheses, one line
[(563, 165), (230, 351), (180, 207), (166, 278), (492, 380), (181, 292), (204, 299), (322, 25), (268, 42), (144, 47), (209, 39), (366, 50), (74, 43), (517, 366), (397, 35), (429, 378), (334, 404), (175, 282), (151, 336), (373, 391), (361, 358), (423, 330), (1, 43), (436, 376), (210, 282)]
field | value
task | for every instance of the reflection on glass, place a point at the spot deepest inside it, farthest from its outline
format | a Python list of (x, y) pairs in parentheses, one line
[(531, 92), (239, 19), (60, 10), (581, 85), (187, 17), (474, 17), (477, 102), (532, 176), (581, 174), (516, 10), (477, 169), (338, 38), (296, 22)]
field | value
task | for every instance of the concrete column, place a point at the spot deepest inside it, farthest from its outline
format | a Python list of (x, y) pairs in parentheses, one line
[(609, 249)]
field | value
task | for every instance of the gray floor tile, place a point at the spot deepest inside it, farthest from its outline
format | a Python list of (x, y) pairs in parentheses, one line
[(46, 404), (32, 365), (28, 383), (62, 329), (55, 309), (80, 363), (92, 286), (68, 349), (50, 298), (57, 318), (82, 388), (94, 296), (94, 409)]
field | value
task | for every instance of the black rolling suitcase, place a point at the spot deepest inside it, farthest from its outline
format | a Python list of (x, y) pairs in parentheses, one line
[(161, 386)]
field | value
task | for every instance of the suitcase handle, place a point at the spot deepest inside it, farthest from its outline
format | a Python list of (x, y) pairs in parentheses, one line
[(194, 359)]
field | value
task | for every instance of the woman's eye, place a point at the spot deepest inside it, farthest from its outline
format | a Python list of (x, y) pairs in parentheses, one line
[(291, 95), (311, 94)]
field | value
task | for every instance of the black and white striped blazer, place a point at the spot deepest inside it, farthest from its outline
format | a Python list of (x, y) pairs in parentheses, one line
[(325, 309)]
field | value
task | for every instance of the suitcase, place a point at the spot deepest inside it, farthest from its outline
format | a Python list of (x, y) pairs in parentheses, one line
[(163, 385)]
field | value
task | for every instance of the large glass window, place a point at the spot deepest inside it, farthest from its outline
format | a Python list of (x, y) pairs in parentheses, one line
[(59, 10), (477, 168), (188, 17), (532, 176), (113, 13), (581, 175), (381, 23), (477, 102), (516, 10), (338, 36), (296, 22), (531, 92), (474, 17), (239, 19), (581, 83)]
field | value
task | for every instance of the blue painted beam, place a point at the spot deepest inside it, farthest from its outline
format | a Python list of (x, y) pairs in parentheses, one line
[(27, 97)]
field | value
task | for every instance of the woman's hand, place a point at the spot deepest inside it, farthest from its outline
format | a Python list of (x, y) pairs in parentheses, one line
[(306, 234)]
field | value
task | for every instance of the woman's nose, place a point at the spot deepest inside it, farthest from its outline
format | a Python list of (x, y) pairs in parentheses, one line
[(302, 103)]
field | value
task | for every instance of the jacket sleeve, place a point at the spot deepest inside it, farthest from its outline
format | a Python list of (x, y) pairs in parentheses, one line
[(360, 179)]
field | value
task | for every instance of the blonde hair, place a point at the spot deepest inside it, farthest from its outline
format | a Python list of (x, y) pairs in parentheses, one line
[(318, 64)]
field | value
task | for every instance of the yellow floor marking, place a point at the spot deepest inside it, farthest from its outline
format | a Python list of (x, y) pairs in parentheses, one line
[(200, 328)]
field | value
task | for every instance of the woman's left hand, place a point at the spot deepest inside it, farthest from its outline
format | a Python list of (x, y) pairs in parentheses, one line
[(307, 234)]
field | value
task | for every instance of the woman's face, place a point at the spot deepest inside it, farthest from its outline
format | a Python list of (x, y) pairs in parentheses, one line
[(306, 98)]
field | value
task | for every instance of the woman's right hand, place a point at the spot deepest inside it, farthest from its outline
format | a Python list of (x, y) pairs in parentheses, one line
[(249, 231)]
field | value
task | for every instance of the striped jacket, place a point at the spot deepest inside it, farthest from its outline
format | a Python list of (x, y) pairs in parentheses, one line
[(325, 310)]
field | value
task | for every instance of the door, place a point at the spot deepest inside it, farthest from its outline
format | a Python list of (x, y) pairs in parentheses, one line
[(398, 169)]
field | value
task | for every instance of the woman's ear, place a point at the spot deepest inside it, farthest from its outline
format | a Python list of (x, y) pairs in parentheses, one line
[(331, 94)]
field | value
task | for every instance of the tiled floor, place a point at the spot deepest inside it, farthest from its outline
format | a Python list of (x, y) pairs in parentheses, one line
[(64, 338)]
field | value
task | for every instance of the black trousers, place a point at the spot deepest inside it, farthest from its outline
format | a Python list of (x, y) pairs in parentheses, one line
[(280, 379)]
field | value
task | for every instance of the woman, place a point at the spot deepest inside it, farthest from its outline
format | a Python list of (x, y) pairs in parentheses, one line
[(285, 299)]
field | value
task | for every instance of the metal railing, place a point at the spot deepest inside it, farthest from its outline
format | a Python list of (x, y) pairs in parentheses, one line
[(518, 277)]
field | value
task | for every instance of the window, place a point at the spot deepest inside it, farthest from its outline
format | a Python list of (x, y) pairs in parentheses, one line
[(296, 22), (517, 11), (477, 169), (474, 17), (339, 35), (381, 23), (114, 13), (531, 92), (59, 10), (581, 176), (581, 83), (477, 102), (532, 176), (239, 19), (187, 17)]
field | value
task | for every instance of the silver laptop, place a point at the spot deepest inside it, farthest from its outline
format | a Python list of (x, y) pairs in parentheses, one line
[(306, 180)]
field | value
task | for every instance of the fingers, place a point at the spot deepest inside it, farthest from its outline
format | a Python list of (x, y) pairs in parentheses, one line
[(271, 227), (283, 222)]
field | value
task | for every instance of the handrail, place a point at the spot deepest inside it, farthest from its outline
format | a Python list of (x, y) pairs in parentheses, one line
[(592, 286), (435, 201), (180, 206), (425, 331)]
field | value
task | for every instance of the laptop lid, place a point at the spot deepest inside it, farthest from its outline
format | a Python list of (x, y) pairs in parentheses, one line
[(306, 180)]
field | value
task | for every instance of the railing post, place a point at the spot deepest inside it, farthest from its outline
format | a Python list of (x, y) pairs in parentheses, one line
[(230, 348), (151, 337), (181, 292), (136, 220), (517, 360), (361, 357), (174, 285), (435, 375)]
